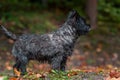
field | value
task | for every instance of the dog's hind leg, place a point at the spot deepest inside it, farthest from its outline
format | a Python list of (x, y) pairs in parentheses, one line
[(23, 63), (16, 65), (20, 65)]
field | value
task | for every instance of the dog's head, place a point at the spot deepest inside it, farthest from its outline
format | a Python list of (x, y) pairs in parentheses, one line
[(76, 21)]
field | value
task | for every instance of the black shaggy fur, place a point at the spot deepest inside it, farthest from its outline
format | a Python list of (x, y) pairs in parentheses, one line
[(53, 47)]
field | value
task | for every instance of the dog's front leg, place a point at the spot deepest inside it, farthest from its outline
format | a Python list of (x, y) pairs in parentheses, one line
[(56, 62), (63, 63)]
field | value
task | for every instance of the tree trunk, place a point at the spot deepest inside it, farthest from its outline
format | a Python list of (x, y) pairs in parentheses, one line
[(91, 10)]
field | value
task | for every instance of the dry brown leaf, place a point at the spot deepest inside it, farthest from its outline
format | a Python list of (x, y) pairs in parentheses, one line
[(98, 49), (72, 73), (114, 73), (16, 72), (38, 75), (7, 65), (109, 78)]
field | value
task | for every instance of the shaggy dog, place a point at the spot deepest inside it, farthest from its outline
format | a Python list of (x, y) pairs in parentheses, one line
[(53, 47)]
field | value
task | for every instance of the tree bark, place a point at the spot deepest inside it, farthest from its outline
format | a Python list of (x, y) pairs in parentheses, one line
[(91, 10)]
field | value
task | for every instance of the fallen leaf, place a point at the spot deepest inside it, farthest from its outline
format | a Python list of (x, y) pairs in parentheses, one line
[(109, 78), (38, 75), (72, 73), (114, 73), (98, 49), (16, 72), (13, 78)]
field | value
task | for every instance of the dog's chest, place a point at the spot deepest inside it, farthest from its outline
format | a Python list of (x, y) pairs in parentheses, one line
[(62, 41)]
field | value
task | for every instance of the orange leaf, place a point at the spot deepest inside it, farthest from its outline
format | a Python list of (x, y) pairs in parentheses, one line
[(72, 73), (13, 78), (16, 72)]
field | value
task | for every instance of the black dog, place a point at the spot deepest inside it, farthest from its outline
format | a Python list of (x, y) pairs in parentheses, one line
[(53, 47)]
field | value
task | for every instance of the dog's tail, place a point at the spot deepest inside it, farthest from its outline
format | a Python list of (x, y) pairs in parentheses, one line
[(8, 33)]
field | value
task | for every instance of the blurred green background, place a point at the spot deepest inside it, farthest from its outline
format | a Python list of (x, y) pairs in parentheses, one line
[(43, 15)]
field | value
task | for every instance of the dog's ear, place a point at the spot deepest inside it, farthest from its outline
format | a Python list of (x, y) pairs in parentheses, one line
[(72, 14)]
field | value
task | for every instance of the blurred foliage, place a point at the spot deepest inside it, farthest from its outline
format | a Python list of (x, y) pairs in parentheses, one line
[(109, 10), (37, 13)]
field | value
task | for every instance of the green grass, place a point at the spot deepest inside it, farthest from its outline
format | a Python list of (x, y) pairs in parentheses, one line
[(60, 75)]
